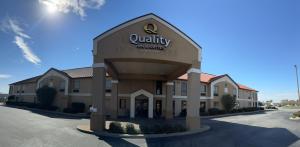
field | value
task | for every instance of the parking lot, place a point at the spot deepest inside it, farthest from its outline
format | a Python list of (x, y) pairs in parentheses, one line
[(26, 128)]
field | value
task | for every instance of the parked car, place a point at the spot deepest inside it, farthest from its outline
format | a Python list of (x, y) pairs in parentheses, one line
[(271, 107)]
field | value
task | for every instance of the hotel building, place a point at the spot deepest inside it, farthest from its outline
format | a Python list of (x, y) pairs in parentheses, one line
[(144, 67)]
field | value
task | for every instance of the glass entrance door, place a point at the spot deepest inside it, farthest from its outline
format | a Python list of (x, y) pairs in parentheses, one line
[(141, 107)]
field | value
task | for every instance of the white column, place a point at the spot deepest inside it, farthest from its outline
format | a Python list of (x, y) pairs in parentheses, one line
[(150, 107), (132, 106)]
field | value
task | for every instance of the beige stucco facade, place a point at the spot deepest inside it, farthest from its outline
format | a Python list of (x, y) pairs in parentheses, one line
[(133, 77)]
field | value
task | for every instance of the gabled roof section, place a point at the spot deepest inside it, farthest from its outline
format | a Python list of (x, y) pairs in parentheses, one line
[(84, 72), (144, 17), (246, 88), (204, 77), (208, 78), (59, 71), (29, 80)]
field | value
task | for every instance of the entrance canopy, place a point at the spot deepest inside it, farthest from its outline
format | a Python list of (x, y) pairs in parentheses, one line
[(146, 47)]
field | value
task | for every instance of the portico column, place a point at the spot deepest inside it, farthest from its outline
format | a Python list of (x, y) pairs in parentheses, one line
[(193, 99), (97, 122), (169, 100), (114, 99)]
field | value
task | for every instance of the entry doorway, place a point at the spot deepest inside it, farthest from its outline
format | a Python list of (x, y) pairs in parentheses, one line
[(141, 106), (141, 94)]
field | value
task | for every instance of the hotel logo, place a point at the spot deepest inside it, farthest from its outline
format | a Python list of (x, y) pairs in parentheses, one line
[(151, 41), (150, 28)]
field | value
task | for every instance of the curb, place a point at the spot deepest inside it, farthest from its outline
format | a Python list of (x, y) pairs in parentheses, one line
[(86, 129), (232, 114), (50, 112)]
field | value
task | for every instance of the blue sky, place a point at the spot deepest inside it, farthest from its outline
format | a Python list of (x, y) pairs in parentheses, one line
[(256, 42)]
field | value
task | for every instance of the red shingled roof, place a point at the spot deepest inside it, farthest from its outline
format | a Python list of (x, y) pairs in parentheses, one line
[(87, 72), (207, 78), (204, 77), (246, 88)]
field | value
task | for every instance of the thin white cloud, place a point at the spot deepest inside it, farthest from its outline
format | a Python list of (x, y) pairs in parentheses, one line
[(13, 26), (16, 29), (27, 53), (4, 76), (76, 6)]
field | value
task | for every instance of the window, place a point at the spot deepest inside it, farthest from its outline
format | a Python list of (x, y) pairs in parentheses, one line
[(122, 104), (234, 92), (158, 90), (183, 88), (225, 90), (76, 86), (216, 104), (216, 91), (183, 105), (203, 90), (50, 84), (62, 86), (108, 85), (23, 89)]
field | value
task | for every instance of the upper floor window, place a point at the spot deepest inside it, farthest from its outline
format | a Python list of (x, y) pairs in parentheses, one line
[(183, 88), (76, 86), (108, 85), (225, 90), (216, 91), (203, 90), (62, 86), (234, 92), (158, 89), (50, 84)]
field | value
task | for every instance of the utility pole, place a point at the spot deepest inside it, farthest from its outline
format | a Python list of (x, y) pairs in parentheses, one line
[(297, 82)]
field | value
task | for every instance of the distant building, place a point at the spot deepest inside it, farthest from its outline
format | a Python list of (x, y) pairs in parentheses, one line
[(289, 102)]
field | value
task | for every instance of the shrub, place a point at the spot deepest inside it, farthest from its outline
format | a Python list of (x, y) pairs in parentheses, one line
[(11, 98), (297, 114), (157, 129), (78, 107), (115, 127), (167, 128), (179, 128), (130, 129), (50, 108), (46, 95), (228, 102), (213, 111), (68, 110)]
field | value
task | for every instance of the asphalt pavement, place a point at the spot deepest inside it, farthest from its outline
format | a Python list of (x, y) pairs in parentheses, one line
[(24, 128)]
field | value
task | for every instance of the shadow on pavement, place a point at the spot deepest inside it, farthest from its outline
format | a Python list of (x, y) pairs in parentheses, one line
[(47, 113), (224, 134), (117, 142)]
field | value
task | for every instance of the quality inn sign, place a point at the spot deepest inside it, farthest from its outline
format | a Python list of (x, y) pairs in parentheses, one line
[(151, 41)]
